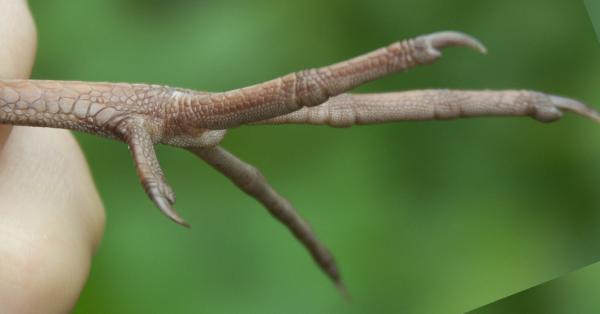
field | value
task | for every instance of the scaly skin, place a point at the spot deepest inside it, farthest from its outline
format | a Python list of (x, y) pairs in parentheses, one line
[(95, 108), (143, 115)]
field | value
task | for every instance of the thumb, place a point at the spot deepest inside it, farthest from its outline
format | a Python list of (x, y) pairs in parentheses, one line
[(51, 218)]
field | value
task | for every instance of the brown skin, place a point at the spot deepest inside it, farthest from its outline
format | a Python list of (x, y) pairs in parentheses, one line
[(51, 218), (144, 115)]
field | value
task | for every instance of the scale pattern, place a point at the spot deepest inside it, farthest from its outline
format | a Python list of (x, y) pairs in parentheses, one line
[(82, 106)]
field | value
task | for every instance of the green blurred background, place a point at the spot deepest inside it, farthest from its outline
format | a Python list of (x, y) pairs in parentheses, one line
[(427, 217)]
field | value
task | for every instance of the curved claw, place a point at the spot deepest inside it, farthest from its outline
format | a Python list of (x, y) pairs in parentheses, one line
[(450, 38), (164, 197), (163, 204), (426, 48), (576, 107)]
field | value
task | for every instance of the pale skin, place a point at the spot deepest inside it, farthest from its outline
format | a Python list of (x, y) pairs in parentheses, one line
[(51, 218), (144, 115)]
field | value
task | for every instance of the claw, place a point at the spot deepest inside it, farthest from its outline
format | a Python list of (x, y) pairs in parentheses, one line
[(574, 106), (426, 48), (449, 38), (165, 207), (164, 198)]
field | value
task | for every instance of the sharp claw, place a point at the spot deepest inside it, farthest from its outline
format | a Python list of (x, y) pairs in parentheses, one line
[(164, 206), (449, 38), (343, 291), (574, 106)]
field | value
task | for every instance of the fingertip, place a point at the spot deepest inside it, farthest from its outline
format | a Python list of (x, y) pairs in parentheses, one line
[(19, 40)]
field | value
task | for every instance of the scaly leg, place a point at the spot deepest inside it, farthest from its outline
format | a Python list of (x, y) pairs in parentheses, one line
[(313, 87), (348, 109), (251, 181), (140, 142)]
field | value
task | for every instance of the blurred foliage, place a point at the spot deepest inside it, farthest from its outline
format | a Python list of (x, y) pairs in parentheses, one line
[(427, 217)]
